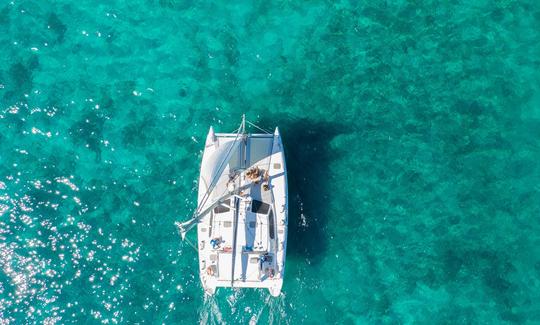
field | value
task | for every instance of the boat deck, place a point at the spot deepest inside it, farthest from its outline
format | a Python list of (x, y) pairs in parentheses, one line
[(238, 239)]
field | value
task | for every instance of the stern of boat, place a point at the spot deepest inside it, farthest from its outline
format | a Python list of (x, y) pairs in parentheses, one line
[(275, 289)]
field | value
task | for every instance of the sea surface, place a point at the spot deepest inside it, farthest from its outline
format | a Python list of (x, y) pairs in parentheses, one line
[(412, 135)]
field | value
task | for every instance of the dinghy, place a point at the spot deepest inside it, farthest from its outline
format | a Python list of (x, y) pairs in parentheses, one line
[(242, 212)]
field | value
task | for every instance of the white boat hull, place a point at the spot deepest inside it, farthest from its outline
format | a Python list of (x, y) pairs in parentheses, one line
[(242, 241)]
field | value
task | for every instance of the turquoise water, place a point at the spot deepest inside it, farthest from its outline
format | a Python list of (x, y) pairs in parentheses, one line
[(412, 132)]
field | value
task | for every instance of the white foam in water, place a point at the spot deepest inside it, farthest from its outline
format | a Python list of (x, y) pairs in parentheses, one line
[(210, 313)]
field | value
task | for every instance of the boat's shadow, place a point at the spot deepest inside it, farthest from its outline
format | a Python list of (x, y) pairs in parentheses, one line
[(308, 156)]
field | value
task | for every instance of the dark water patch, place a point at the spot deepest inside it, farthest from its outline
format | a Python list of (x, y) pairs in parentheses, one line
[(4, 16), (230, 45), (112, 206), (228, 89), (21, 76), (88, 132), (165, 171), (57, 26), (123, 90), (139, 134), (471, 108), (257, 17), (182, 92), (175, 4), (200, 58), (108, 107), (452, 263), (112, 37), (494, 269)]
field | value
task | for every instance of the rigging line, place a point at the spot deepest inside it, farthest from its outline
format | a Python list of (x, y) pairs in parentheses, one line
[(238, 130), (191, 244), (270, 159), (258, 127)]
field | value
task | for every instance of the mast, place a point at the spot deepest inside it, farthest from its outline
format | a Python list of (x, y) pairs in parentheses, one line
[(237, 199), (235, 232)]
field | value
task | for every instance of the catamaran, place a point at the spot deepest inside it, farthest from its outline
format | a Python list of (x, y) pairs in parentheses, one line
[(242, 211)]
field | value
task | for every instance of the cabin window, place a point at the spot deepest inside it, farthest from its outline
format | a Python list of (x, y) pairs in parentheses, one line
[(271, 224), (222, 208), (260, 207)]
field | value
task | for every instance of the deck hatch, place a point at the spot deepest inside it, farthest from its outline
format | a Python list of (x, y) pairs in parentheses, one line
[(271, 225), (222, 208), (260, 207)]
